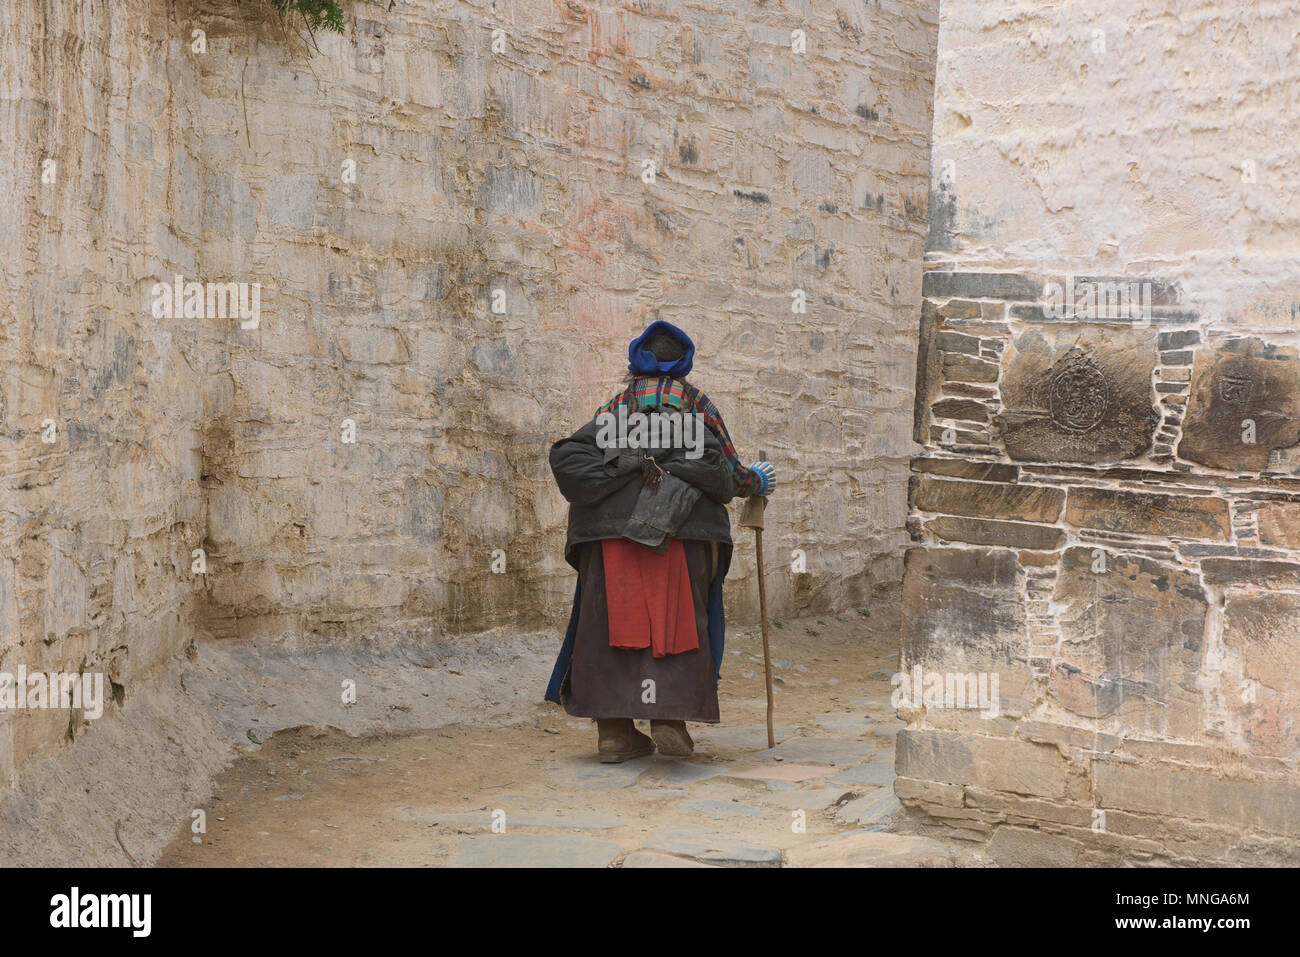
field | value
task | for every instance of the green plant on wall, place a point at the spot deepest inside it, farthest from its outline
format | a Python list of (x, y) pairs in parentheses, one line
[(318, 14)]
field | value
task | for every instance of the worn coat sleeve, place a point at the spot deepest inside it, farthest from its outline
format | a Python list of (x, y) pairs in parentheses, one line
[(581, 471), (710, 473)]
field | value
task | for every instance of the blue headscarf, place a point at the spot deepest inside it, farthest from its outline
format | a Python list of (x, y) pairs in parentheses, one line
[(643, 362)]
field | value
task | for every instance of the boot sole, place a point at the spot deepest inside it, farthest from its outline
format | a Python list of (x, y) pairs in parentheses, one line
[(672, 742)]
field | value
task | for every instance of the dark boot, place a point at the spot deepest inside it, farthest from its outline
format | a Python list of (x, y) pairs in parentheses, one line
[(671, 738), (618, 740)]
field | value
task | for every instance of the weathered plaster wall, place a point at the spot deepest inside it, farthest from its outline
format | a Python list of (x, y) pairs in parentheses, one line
[(521, 170), (1107, 514), (475, 170), (96, 526)]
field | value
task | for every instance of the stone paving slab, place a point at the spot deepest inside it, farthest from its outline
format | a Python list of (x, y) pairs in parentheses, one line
[(785, 772), (801, 799), (570, 821), (724, 788), (870, 849), (745, 737), (656, 859), (850, 724), (674, 771), (871, 808), (721, 810), (728, 806), (588, 772), (874, 774), (712, 849), (662, 794), (888, 733), (536, 850), (826, 750), (875, 703)]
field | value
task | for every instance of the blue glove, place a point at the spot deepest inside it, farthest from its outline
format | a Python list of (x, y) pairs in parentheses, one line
[(766, 473)]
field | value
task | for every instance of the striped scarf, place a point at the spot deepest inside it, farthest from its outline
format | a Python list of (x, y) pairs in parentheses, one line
[(645, 391)]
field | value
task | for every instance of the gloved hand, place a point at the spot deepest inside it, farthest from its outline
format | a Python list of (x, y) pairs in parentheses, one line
[(766, 472)]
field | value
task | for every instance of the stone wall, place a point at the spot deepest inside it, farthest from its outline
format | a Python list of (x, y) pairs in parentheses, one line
[(101, 409), (520, 171), (386, 193), (1107, 513)]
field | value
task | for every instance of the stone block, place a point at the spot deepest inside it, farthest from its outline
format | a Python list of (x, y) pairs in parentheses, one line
[(981, 285), (1084, 739), (960, 309), (958, 439), (964, 368), (1132, 641), (962, 468), (1161, 292), (1244, 404), (1259, 631), (967, 390), (928, 792), (1279, 524), (961, 607), (955, 342), (1078, 395), (966, 410), (1250, 571), (1029, 503), (928, 365), (980, 531), (1032, 847), (1179, 339), (1143, 513), (1011, 807), (998, 764), (1172, 792)]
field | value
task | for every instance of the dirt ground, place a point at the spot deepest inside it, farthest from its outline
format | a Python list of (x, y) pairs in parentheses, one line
[(317, 796)]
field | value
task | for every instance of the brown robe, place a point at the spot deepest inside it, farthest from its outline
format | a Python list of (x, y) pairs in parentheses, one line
[(605, 682)]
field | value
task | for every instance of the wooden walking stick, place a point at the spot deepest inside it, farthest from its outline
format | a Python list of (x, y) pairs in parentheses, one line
[(752, 517)]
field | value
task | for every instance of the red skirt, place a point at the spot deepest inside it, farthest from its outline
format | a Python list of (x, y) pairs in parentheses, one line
[(649, 598), (609, 682)]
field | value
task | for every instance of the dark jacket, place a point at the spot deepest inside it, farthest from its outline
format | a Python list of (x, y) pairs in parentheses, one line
[(608, 499)]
